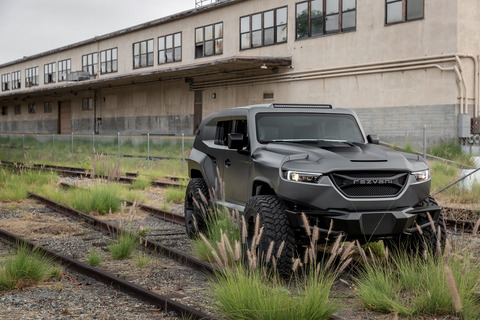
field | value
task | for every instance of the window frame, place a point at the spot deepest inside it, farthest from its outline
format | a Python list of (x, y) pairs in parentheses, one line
[(64, 68), (16, 80), (275, 26), (217, 42), (47, 107), (6, 81), (32, 108), (87, 104), (148, 62), (163, 50), (90, 63), (404, 14), (17, 109), (107, 62), (31, 77), (309, 20), (4, 110), (49, 76)]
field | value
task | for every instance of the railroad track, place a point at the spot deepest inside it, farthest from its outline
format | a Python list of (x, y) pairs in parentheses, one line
[(82, 224), (129, 177), (108, 278)]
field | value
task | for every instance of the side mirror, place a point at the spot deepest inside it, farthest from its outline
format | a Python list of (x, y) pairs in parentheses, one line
[(373, 139), (235, 141)]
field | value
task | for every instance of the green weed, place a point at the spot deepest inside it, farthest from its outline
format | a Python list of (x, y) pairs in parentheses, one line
[(123, 246)]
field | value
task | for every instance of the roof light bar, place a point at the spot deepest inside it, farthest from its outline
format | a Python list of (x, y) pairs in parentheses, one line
[(311, 106)]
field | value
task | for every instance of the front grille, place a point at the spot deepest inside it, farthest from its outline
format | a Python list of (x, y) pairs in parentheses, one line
[(365, 184)]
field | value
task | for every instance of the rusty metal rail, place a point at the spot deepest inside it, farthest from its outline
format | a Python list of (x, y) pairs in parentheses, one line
[(151, 246), (161, 214), (136, 291), (129, 177)]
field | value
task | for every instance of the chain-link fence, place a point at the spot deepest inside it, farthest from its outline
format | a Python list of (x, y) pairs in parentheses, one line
[(449, 158), (76, 149)]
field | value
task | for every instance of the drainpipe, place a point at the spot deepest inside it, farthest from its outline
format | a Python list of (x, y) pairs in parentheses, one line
[(95, 124)]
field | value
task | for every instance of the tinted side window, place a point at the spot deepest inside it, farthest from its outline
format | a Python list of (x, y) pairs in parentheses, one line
[(223, 129), (230, 126)]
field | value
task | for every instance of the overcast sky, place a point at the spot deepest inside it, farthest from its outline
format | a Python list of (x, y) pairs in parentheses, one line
[(28, 27)]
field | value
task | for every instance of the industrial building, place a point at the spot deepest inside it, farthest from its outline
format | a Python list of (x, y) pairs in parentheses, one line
[(399, 63)]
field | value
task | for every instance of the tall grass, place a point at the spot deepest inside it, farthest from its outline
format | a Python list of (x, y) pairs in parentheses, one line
[(450, 150), (123, 246), (444, 174), (26, 267), (175, 194), (101, 199), (14, 186), (251, 290), (411, 286)]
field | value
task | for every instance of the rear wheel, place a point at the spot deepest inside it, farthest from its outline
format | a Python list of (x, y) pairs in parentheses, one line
[(276, 228), (195, 216)]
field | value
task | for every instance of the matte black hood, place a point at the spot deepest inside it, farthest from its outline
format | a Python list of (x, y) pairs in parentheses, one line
[(335, 155)]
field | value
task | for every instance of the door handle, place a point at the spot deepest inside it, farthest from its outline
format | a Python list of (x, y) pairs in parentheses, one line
[(228, 163)]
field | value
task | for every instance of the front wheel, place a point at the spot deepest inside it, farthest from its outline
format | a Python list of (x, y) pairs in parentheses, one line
[(431, 239), (276, 229), (195, 206)]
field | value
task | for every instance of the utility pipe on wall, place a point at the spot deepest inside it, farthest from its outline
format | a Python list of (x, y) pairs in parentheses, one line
[(369, 68)]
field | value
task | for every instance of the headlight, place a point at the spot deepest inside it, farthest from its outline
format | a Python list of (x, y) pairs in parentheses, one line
[(422, 175), (297, 176)]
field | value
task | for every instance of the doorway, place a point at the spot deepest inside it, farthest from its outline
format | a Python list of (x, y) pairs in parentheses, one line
[(64, 117)]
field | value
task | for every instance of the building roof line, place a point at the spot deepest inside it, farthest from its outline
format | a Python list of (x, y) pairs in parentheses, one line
[(148, 24), (235, 63)]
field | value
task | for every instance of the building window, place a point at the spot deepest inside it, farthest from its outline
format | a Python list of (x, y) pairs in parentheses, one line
[(6, 82), (64, 67), (31, 77), (319, 17), (4, 111), (17, 109), (143, 54), (47, 107), (32, 108), (263, 29), (209, 40), (87, 104), (16, 80), (108, 61), (90, 63), (49, 72), (403, 10), (170, 48)]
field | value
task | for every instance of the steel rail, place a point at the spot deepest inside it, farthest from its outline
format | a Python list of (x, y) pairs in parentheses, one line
[(161, 214), (109, 279), (151, 246), (80, 172)]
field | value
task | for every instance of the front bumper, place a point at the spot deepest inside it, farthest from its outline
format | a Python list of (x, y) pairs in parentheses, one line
[(367, 226)]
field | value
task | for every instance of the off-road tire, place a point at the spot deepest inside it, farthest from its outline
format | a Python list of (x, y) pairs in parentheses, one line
[(418, 243), (194, 216), (276, 228)]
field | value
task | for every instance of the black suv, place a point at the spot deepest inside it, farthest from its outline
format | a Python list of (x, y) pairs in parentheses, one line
[(282, 160)]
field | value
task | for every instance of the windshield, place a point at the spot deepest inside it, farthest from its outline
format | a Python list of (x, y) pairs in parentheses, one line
[(292, 127)]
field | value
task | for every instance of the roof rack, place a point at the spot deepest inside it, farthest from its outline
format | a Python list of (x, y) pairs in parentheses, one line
[(311, 106)]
